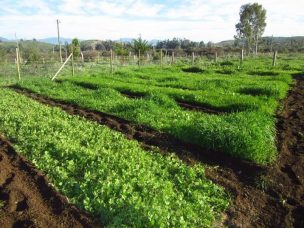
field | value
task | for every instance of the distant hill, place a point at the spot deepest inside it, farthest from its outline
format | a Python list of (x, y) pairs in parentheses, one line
[(285, 39), (130, 40), (9, 45), (275, 40), (3, 39), (225, 43), (126, 40), (54, 40), (154, 42)]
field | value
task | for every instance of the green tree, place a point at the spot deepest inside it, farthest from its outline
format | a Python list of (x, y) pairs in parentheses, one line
[(140, 45), (251, 25), (74, 47), (120, 49), (31, 52)]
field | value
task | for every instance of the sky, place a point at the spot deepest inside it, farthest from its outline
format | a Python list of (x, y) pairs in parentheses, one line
[(199, 20)]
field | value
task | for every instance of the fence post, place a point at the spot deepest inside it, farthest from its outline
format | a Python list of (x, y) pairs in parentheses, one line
[(138, 57), (274, 60), (242, 56), (173, 57), (193, 58), (216, 57), (161, 57), (111, 61), (73, 70), (82, 59), (98, 57), (17, 62)]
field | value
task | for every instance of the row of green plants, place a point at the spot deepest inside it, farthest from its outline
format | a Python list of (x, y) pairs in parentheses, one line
[(237, 92), (247, 130), (101, 171)]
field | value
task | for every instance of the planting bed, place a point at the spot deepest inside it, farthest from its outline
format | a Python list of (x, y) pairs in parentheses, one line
[(28, 200), (103, 172)]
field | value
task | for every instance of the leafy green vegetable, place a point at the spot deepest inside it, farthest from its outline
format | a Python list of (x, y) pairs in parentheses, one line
[(106, 174)]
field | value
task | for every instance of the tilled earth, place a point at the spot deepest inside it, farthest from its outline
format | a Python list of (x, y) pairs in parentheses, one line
[(27, 199)]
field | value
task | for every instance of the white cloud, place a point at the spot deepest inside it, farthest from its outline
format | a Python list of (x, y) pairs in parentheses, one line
[(138, 8), (194, 19), (71, 7), (39, 5), (105, 27)]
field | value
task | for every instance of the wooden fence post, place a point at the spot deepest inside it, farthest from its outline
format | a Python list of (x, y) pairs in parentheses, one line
[(17, 62), (98, 57), (173, 57), (161, 57), (274, 60), (111, 61), (242, 56), (138, 57), (216, 57), (73, 70), (82, 59), (193, 58)]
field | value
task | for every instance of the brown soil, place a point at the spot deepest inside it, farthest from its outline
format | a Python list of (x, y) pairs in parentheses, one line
[(278, 198), (183, 104), (28, 200), (262, 197), (186, 105), (287, 174), (200, 108)]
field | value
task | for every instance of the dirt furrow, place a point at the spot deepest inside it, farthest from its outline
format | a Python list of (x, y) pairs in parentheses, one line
[(28, 200), (183, 104)]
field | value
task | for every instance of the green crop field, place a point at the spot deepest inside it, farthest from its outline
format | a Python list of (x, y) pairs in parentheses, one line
[(117, 180), (247, 98)]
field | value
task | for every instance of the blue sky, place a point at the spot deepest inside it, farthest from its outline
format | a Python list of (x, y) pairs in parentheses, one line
[(104, 19)]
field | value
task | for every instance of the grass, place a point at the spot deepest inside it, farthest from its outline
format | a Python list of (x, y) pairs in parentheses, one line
[(247, 130), (106, 174)]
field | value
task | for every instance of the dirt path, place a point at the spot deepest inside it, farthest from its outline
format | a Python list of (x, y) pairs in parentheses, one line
[(287, 174), (26, 198), (262, 197), (278, 199)]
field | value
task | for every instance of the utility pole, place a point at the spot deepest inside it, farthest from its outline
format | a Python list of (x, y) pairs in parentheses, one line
[(59, 40)]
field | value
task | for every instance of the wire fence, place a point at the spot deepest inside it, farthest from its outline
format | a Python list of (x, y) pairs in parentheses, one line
[(48, 67)]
